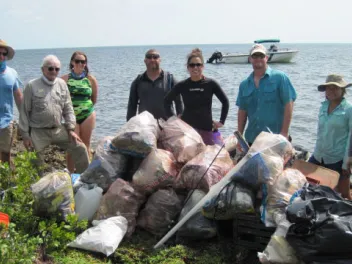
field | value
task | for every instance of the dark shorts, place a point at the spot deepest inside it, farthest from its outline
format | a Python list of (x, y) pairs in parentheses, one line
[(207, 136), (333, 166)]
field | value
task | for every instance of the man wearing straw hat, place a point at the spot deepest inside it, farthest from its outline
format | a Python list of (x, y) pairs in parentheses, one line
[(9, 90)]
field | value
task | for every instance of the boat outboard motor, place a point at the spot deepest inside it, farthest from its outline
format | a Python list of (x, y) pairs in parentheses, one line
[(217, 56)]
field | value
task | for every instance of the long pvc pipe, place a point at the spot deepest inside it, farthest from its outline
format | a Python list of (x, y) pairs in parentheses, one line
[(214, 189)]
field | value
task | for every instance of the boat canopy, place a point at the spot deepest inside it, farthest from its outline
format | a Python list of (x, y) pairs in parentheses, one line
[(259, 41)]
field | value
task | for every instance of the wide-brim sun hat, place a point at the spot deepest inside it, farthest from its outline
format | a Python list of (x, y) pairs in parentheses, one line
[(334, 79), (10, 50)]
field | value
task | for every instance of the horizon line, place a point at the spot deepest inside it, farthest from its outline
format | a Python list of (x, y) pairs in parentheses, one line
[(159, 45)]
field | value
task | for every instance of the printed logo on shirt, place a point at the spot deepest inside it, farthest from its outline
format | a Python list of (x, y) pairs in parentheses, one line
[(196, 89)]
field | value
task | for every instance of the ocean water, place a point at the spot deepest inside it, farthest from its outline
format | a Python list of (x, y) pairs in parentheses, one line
[(116, 67)]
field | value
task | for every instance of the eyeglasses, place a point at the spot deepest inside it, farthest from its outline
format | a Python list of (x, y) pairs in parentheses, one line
[(193, 65), (152, 56), (3, 54), (80, 61), (258, 56), (50, 69)]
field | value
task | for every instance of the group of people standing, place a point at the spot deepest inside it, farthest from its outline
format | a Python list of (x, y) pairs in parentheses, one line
[(60, 111)]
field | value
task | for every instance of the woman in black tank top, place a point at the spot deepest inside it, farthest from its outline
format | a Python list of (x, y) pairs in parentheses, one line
[(197, 93)]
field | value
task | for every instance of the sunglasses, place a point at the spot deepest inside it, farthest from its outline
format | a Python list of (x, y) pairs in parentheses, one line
[(193, 65), (258, 56), (80, 61), (50, 69), (152, 56), (3, 54)]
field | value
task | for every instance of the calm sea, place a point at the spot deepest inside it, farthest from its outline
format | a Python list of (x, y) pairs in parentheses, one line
[(116, 67)]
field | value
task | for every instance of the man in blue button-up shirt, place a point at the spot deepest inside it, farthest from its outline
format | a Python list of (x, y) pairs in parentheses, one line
[(9, 90), (265, 98)]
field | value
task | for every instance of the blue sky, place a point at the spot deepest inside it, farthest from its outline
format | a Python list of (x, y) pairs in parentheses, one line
[(38, 24)]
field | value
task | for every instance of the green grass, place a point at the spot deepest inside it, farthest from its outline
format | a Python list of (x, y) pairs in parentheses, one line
[(139, 250)]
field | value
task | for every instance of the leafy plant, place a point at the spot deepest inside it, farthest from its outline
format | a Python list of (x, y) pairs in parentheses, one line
[(56, 235), (27, 232), (16, 247)]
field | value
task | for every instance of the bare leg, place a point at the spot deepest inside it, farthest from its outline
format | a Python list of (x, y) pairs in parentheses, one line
[(344, 187), (69, 162), (86, 130)]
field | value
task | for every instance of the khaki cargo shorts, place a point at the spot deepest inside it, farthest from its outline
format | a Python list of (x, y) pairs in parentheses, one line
[(6, 138)]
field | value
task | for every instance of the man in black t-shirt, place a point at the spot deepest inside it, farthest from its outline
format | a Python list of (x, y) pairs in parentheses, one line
[(149, 89)]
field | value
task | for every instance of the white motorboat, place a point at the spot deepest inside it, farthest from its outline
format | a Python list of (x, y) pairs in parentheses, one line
[(275, 54)]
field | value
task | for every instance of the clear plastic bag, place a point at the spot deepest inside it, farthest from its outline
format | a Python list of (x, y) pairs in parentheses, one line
[(104, 237), (157, 170), (233, 199), (279, 251), (53, 195), (181, 139), (197, 227), (138, 136), (280, 193), (106, 166), (266, 159), (121, 199), (191, 175), (160, 211), (230, 143)]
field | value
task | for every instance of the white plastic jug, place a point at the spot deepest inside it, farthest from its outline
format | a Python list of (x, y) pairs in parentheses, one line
[(87, 200)]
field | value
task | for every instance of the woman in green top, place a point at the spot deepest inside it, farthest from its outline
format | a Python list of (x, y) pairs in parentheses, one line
[(83, 88)]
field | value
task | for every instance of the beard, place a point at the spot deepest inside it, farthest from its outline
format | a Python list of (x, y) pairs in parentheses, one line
[(155, 67)]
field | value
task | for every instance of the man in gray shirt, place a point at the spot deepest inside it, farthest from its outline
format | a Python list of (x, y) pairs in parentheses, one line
[(149, 89), (46, 104)]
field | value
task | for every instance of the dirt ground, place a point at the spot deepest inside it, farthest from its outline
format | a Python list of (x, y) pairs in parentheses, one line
[(54, 156)]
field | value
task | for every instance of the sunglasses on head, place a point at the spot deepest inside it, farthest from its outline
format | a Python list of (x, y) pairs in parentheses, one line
[(193, 65), (3, 54), (152, 56), (50, 69), (258, 55), (80, 61)]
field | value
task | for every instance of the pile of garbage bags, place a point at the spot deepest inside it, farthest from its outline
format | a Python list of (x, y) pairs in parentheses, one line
[(151, 174)]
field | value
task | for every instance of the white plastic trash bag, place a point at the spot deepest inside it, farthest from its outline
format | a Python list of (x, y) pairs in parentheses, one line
[(104, 237), (138, 136)]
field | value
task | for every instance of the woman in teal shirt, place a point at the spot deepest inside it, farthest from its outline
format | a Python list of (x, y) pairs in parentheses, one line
[(335, 122)]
